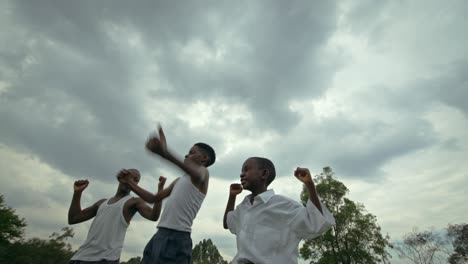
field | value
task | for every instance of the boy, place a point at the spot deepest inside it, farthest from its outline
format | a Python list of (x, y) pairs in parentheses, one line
[(269, 227), (172, 242), (106, 235)]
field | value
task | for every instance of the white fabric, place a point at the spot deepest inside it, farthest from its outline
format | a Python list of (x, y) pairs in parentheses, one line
[(106, 234), (182, 206), (269, 230)]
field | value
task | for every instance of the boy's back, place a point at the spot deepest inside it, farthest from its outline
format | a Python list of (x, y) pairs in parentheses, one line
[(172, 242), (182, 206)]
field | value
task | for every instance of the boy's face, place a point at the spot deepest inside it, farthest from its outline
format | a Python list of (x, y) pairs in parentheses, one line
[(251, 176), (196, 155)]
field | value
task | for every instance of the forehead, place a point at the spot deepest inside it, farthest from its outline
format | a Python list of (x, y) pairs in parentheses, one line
[(250, 163), (195, 148)]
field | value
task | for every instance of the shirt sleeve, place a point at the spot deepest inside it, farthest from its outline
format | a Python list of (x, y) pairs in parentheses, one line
[(308, 222), (232, 221)]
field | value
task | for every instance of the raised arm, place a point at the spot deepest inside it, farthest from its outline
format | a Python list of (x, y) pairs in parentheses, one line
[(303, 174), (151, 213), (147, 196), (158, 145), (75, 213), (234, 190)]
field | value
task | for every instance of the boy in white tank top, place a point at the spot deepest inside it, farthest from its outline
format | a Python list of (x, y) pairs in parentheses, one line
[(112, 216), (172, 242)]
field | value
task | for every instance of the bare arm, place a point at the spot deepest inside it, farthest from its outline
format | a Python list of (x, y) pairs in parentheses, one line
[(125, 177), (304, 176), (234, 190), (163, 194), (159, 146), (148, 212), (146, 195), (75, 213)]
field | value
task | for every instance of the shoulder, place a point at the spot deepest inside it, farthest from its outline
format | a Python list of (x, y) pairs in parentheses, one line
[(98, 203), (284, 201), (134, 202)]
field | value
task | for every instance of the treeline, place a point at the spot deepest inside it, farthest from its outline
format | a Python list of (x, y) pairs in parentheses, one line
[(356, 238)]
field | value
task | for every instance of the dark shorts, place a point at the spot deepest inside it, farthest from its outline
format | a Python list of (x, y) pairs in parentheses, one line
[(94, 262), (168, 246)]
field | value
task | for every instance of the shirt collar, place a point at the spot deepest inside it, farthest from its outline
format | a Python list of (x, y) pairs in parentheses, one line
[(263, 197)]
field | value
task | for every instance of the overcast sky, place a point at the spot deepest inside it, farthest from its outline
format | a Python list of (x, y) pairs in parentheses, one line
[(377, 90)]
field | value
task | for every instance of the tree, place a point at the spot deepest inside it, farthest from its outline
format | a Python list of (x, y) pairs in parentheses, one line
[(54, 250), (15, 250), (11, 225), (356, 238), (135, 260), (206, 253), (459, 236), (424, 247)]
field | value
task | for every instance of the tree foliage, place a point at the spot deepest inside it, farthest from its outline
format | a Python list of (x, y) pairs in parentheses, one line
[(356, 238), (459, 236), (424, 247), (11, 225), (14, 249), (206, 252), (135, 260)]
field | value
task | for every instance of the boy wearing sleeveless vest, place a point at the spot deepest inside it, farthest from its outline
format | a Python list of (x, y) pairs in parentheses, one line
[(172, 242), (106, 235)]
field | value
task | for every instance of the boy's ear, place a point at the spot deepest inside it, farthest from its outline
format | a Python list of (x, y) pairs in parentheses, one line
[(205, 159), (265, 174)]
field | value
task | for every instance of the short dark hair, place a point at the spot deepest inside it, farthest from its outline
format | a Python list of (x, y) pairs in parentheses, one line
[(209, 151), (264, 163)]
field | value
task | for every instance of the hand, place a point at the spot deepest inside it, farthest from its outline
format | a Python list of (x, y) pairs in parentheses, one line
[(124, 176), (162, 181), (80, 185), (303, 174), (158, 145), (235, 189)]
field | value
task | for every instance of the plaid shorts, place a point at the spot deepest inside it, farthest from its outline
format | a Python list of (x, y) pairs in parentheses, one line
[(168, 246)]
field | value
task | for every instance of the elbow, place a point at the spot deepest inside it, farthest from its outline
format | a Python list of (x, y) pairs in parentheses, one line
[(71, 221)]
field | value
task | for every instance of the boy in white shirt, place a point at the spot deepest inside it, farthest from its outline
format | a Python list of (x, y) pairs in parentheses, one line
[(269, 227)]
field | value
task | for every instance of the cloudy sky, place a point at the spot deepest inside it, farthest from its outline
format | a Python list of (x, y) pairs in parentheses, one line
[(375, 89)]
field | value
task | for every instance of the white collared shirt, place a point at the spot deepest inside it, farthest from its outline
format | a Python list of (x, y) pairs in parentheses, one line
[(269, 230)]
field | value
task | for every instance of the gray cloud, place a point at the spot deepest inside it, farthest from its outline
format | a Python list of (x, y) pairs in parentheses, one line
[(83, 83)]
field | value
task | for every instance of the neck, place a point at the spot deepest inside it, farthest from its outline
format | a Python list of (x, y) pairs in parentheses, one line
[(120, 194), (257, 192)]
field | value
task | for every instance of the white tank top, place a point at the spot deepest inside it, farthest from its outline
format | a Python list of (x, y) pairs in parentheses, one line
[(182, 205), (106, 234)]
